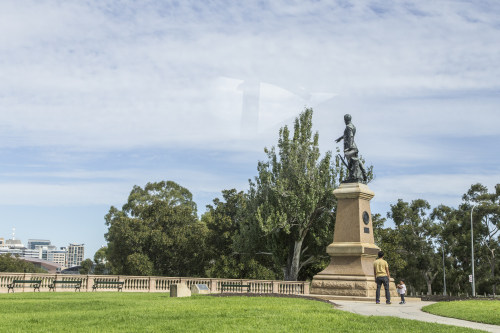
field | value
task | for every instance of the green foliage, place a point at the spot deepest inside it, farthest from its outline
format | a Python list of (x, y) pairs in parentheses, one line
[(292, 198), (156, 312), (389, 240), (10, 263), (224, 220), (156, 232), (455, 233), (102, 265), (414, 248), (417, 234), (479, 311), (86, 266), (139, 264)]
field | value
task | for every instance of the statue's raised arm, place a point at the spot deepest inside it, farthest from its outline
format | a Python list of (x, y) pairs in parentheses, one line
[(355, 168)]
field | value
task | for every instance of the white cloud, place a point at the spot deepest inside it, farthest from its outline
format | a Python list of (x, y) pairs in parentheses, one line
[(118, 76), (79, 79), (436, 188), (108, 76), (52, 194), (84, 187)]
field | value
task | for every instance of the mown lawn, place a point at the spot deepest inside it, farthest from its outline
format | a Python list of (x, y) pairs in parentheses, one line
[(486, 311), (143, 312)]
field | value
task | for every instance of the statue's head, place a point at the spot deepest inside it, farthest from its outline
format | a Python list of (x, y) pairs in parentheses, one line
[(347, 118)]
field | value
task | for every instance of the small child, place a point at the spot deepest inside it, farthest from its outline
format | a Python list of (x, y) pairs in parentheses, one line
[(402, 291)]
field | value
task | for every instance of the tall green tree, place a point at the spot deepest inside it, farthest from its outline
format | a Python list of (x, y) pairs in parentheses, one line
[(292, 198), (417, 234), (156, 232)]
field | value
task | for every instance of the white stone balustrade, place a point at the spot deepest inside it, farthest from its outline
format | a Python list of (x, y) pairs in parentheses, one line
[(153, 283)]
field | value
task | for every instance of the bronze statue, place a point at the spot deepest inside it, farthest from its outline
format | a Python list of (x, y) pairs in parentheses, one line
[(355, 168)]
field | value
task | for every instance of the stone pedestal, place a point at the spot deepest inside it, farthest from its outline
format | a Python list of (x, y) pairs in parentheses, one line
[(353, 250)]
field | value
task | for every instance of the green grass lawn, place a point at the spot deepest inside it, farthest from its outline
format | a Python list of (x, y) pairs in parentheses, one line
[(487, 312), (155, 312)]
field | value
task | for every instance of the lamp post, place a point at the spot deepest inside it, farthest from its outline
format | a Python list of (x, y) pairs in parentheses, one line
[(444, 271), (472, 252)]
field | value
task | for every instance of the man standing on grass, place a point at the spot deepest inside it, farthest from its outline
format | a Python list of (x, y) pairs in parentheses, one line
[(382, 276)]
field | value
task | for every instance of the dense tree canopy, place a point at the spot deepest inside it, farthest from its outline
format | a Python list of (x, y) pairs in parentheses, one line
[(416, 234), (156, 232), (10, 263), (425, 242), (224, 221)]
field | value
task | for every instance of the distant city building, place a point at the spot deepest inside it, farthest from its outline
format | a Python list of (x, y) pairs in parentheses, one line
[(33, 243), (75, 255), (41, 250), (28, 253), (14, 243), (12, 246), (57, 256)]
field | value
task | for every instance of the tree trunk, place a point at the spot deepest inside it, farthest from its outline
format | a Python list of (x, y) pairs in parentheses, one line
[(429, 279), (293, 262)]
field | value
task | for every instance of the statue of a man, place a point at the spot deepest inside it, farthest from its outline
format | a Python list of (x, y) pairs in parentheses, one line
[(355, 167)]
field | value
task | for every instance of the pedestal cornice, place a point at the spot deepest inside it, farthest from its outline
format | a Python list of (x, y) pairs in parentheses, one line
[(354, 191), (352, 248)]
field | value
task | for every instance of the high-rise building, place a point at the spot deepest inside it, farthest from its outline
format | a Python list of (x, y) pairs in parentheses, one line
[(57, 256), (33, 243), (75, 255)]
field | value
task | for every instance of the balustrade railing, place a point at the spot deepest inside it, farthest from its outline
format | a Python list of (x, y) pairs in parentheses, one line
[(155, 283)]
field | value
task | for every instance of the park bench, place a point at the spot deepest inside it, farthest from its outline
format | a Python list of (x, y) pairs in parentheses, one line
[(76, 284), (35, 284), (108, 284), (234, 287)]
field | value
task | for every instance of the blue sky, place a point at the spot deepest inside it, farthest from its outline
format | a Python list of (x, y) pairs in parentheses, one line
[(98, 96)]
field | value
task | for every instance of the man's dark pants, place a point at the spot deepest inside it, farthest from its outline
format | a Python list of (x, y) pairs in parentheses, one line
[(385, 281)]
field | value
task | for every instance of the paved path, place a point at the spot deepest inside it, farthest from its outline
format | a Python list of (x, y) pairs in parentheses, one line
[(410, 310)]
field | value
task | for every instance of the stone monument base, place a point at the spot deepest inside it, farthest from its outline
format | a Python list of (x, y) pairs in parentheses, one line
[(353, 251), (350, 285)]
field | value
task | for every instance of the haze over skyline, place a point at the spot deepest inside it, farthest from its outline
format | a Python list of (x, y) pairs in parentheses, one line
[(99, 96)]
